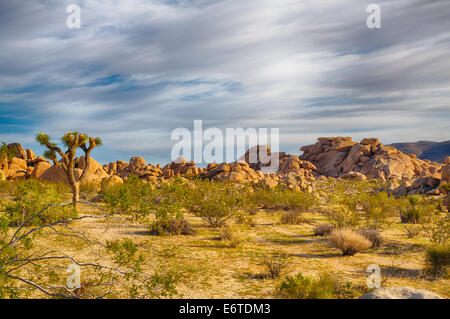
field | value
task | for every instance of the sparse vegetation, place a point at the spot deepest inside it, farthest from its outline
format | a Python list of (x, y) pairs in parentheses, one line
[(218, 216)]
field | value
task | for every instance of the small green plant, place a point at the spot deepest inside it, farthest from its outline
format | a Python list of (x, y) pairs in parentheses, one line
[(304, 287), (349, 242)]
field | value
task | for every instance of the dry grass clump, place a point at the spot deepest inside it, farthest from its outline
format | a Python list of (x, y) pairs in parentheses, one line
[(373, 235), (348, 241), (232, 236), (276, 265), (323, 229), (293, 217)]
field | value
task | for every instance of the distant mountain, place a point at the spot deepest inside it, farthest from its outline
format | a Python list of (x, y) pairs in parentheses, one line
[(433, 151)]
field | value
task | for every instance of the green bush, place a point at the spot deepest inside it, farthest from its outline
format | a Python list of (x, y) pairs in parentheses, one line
[(282, 198), (419, 210), (219, 203), (133, 197), (437, 259), (341, 215), (171, 226), (304, 287), (32, 196)]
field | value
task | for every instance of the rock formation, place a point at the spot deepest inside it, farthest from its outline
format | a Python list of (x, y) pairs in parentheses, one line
[(338, 156)]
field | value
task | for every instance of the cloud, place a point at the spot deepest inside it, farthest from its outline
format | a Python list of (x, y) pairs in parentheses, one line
[(138, 69)]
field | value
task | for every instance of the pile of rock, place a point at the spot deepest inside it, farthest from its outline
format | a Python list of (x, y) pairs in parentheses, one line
[(339, 156), (239, 172), (137, 166), (181, 167), (23, 164)]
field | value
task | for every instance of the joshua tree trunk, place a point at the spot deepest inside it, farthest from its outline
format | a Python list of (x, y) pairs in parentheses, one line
[(76, 195)]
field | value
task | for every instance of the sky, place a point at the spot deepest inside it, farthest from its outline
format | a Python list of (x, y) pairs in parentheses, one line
[(138, 69)]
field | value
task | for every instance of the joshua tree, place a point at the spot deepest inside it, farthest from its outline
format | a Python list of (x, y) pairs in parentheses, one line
[(72, 141)]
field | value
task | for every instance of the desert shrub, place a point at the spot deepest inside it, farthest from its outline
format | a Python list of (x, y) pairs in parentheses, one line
[(171, 226), (412, 231), (348, 241), (439, 231), (342, 216), (419, 210), (323, 229), (291, 217), (373, 235), (275, 265), (304, 287), (232, 235), (32, 196), (220, 202), (379, 206), (133, 197), (282, 197), (437, 260)]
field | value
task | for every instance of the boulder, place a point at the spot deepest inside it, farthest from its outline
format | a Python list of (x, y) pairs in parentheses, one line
[(19, 163), (400, 293), (39, 169), (30, 155), (338, 156), (56, 174), (370, 141), (95, 174), (355, 176), (137, 163), (113, 180)]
